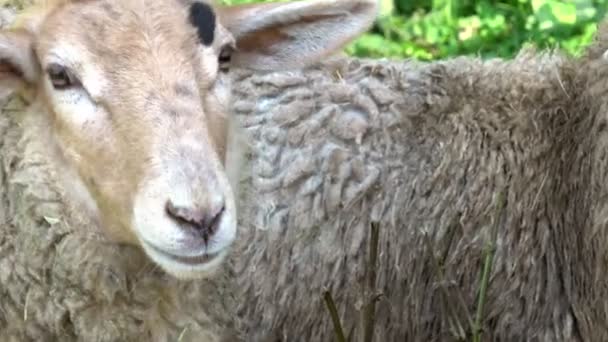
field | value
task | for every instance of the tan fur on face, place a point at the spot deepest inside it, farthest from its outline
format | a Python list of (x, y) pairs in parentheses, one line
[(137, 98), (149, 124)]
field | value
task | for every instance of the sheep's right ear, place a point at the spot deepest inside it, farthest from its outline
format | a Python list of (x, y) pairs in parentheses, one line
[(18, 63), (286, 34)]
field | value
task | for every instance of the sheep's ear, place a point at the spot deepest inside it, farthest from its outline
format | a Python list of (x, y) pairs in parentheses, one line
[(271, 36), (18, 64)]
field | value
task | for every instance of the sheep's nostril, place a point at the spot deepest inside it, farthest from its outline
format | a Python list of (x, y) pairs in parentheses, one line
[(183, 214), (202, 220), (214, 219)]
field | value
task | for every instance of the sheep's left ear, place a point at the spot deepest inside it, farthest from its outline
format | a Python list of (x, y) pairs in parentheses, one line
[(18, 64), (271, 36)]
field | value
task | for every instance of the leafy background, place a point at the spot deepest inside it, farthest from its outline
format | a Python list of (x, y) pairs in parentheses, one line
[(434, 29)]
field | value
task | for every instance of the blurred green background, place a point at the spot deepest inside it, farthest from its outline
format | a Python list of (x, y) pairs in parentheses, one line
[(434, 29)]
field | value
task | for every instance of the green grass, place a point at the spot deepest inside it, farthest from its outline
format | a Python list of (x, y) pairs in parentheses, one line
[(435, 29)]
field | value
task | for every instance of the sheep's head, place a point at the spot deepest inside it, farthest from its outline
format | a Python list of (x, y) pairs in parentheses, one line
[(136, 96)]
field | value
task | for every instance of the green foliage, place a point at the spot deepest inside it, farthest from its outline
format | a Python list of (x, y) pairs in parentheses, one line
[(434, 29)]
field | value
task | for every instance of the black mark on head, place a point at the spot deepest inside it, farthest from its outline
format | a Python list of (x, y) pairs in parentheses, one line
[(203, 18)]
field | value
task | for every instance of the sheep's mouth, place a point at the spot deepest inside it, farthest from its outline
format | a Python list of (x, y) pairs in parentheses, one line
[(193, 261)]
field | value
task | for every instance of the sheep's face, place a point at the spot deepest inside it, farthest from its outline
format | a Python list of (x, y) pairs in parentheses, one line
[(136, 94)]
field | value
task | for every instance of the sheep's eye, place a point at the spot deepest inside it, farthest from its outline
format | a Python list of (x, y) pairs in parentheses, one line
[(225, 57), (61, 77)]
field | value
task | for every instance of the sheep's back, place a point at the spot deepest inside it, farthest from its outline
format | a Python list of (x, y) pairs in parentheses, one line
[(423, 149)]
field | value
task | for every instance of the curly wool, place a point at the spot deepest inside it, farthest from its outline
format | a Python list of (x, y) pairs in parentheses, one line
[(424, 149)]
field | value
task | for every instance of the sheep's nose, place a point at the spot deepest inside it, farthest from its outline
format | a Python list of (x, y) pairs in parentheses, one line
[(203, 221)]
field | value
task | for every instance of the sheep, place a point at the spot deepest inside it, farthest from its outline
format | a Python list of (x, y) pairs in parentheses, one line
[(118, 215), (428, 151)]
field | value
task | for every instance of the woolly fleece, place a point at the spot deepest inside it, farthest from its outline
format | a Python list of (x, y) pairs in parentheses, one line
[(424, 149)]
